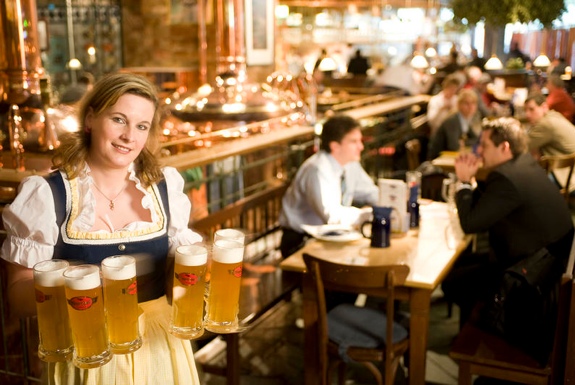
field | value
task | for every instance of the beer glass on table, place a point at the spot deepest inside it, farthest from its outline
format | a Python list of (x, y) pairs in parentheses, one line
[(225, 282), (53, 326), (121, 300), (189, 291), (86, 314)]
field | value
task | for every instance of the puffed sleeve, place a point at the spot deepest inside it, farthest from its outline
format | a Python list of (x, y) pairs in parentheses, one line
[(30, 223), (180, 207)]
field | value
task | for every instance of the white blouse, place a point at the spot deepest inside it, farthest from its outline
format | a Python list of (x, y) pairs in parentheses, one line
[(32, 231)]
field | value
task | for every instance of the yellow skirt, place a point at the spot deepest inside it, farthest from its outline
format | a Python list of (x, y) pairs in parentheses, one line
[(162, 359)]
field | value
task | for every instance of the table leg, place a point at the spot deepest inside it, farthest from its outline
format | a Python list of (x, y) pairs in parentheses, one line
[(311, 356), (233, 358), (419, 306)]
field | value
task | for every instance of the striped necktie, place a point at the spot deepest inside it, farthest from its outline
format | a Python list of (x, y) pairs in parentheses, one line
[(343, 186)]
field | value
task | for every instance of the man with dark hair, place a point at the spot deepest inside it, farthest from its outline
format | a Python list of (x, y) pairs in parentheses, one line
[(517, 205), (326, 184)]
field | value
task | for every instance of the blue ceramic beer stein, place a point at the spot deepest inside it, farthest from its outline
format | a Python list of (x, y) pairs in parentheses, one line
[(380, 226)]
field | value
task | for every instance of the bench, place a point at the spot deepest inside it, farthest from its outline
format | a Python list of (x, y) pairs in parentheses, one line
[(264, 285), (481, 353)]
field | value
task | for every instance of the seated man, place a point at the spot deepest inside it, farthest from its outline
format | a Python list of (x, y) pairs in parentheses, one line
[(326, 185), (461, 129), (550, 133), (517, 205)]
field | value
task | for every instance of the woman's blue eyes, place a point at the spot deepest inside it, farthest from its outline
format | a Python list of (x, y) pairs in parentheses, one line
[(122, 121)]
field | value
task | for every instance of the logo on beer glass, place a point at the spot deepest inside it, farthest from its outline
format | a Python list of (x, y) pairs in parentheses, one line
[(41, 297), (187, 279), (237, 272), (82, 302), (132, 289)]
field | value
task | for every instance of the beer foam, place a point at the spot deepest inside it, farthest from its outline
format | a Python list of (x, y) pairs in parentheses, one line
[(228, 251), (82, 277), (118, 267), (230, 234), (191, 255), (49, 273)]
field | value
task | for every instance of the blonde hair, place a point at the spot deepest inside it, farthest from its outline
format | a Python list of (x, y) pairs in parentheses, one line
[(72, 154)]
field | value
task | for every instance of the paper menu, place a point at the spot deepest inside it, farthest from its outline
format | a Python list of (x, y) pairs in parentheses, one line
[(393, 193)]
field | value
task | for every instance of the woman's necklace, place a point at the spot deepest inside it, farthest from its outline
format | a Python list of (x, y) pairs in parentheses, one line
[(105, 196)]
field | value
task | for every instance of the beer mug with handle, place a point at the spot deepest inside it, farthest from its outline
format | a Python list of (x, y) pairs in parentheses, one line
[(53, 326), (87, 318), (380, 227), (189, 291), (121, 299), (225, 282), (448, 191)]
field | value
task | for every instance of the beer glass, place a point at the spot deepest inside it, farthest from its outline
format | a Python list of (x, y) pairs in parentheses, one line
[(53, 326), (224, 289), (189, 291), (86, 314), (121, 303)]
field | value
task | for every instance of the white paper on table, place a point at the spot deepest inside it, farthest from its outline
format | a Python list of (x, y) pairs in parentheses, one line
[(393, 193)]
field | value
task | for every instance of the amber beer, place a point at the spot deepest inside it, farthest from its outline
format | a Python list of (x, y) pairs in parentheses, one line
[(121, 303), (86, 314), (53, 327), (189, 291), (224, 290)]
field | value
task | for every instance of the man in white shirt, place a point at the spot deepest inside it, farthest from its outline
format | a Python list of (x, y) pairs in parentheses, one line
[(326, 185)]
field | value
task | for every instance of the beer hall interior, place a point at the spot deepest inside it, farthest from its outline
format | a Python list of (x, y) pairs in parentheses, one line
[(242, 106)]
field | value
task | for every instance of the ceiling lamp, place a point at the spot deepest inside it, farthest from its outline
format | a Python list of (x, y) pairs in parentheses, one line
[(327, 64), (493, 63), (419, 61), (542, 61)]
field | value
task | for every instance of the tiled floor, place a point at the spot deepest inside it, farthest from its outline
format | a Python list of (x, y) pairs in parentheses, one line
[(272, 351)]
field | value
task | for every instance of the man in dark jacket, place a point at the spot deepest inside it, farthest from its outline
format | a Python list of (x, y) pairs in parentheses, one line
[(517, 205)]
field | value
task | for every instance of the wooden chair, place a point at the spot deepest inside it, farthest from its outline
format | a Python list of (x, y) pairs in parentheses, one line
[(550, 163), (481, 353), (359, 340)]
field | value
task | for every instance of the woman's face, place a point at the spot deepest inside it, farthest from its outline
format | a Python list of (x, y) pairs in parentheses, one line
[(119, 133)]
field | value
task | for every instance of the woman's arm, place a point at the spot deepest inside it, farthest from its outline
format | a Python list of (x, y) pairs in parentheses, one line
[(19, 290)]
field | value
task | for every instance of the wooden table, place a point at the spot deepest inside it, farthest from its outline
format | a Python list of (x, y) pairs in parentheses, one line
[(429, 251)]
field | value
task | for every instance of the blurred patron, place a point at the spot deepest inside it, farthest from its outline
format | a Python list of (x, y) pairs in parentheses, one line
[(404, 77), (459, 130), (558, 99), (358, 64), (549, 133), (443, 104)]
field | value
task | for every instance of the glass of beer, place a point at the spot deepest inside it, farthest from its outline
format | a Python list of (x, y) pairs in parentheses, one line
[(121, 300), (53, 326), (224, 289), (86, 314), (189, 291)]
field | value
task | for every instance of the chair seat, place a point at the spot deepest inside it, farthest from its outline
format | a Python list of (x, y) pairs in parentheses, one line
[(357, 327), (476, 345)]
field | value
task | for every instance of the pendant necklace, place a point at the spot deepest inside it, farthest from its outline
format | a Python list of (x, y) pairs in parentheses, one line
[(104, 195)]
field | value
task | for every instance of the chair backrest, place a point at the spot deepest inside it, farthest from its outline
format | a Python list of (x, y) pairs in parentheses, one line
[(380, 280), (555, 162), (564, 343)]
